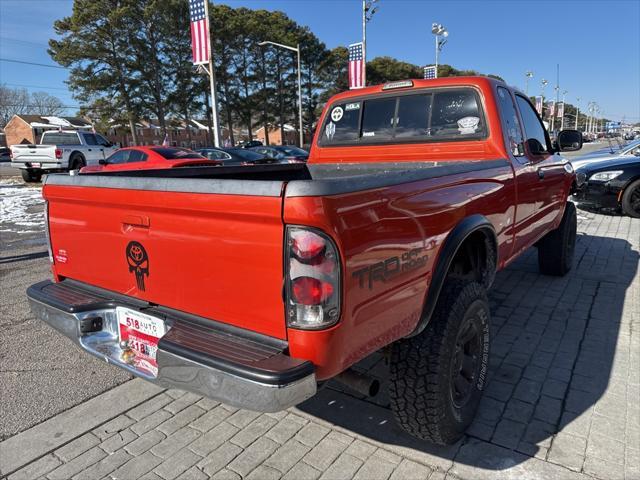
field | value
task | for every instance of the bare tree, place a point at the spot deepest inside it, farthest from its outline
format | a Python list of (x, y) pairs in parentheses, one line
[(13, 101), (44, 104)]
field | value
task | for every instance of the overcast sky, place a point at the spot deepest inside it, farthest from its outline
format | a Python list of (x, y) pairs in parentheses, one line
[(596, 43)]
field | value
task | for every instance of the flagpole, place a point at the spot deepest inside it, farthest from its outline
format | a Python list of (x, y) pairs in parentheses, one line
[(212, 83)]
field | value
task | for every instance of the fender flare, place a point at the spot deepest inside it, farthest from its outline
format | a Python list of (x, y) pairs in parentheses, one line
[(446, 255)]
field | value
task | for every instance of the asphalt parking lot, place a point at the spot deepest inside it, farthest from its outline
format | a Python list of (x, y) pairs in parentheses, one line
[(561, 402)]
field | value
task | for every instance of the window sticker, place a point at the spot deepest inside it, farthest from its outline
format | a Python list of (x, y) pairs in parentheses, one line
[(336, 114), (468, 125), (330, 130), (352, 106)]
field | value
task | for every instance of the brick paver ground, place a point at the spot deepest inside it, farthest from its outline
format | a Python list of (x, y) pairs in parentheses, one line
[(562, 399)]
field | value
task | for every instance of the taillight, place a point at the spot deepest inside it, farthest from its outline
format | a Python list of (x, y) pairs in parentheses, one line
[(312, 279), (58, 153)]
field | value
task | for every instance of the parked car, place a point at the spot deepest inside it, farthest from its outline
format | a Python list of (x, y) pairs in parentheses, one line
[(613, 183), (60, 151), (254, 287), (250, 143), (5, 154), (286, 153), (235, 156), (150, 158), (629, 150)]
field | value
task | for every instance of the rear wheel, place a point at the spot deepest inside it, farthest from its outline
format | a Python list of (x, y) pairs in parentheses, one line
[(76, 162), (631, 200), (31, 176), (555, 250), (437, 376)]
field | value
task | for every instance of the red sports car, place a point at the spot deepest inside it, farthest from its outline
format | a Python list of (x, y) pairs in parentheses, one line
[(151, 157)]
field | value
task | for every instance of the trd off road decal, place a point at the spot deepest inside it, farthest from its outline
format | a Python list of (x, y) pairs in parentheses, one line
[(392, 266), (138, 262)]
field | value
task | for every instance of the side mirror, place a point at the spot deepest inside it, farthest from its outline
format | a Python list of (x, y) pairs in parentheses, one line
[(102, 161), (569, 140)]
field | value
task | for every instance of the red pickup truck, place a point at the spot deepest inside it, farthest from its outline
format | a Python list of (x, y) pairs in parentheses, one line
[(255, 285)]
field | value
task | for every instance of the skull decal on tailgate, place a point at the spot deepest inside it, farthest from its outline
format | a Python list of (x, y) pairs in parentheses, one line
[(138, 261)]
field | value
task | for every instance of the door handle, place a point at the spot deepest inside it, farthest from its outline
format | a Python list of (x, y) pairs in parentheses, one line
[(136, 221), (89, 149)]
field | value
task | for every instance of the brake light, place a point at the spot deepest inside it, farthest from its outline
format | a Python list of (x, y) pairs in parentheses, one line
[(58, 153), (312, 279)]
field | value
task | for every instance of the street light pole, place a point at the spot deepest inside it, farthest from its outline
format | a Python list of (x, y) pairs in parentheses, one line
[(297, 50), (528, 75), (438, 30), (577, 111), (367, 12)]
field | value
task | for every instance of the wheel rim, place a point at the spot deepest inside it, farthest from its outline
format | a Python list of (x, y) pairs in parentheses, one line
[(634, 200), (466, 361)]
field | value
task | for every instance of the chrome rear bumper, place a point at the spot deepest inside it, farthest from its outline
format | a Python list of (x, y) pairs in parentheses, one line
[(268, 383)]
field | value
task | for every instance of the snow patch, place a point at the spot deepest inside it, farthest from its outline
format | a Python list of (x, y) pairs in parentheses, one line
[(20, 207)]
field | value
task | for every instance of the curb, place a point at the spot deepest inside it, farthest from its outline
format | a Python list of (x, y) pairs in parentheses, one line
[(25, 447)]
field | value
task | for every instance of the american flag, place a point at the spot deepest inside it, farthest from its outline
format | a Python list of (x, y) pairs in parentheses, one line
[(199, 31), (356, 66), (430, 72)]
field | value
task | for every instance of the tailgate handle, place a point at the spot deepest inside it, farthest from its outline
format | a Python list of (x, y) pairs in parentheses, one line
[(136, 221)]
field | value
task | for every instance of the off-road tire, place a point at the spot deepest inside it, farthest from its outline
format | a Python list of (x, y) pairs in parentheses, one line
[(31, 176), (631, 199), (76, 162), (423, 368), (556, 249)]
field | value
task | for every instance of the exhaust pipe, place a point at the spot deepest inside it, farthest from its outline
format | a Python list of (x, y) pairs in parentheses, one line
[(361, 383)]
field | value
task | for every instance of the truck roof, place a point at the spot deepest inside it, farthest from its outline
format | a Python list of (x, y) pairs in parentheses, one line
[(475, 81)]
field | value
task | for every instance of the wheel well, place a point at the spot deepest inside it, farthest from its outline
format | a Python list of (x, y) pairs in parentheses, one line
[(475, 259), (77, 155)]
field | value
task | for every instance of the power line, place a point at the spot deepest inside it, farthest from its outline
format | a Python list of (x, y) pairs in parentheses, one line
[(25, 42), (35, 86), (30, 105), (32, 63)]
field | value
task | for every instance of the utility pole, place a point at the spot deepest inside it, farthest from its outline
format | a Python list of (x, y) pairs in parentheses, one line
[(368, 9), (544, 83), (577, 111), (528, 75), (557, 90)]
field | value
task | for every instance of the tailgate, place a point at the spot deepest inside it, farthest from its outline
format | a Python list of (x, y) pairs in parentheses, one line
[(33, 153), (211, 248)]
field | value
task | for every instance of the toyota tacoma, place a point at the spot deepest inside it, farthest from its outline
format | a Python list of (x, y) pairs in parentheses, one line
[(254, 286)]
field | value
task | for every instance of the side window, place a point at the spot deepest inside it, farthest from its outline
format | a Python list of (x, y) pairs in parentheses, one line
[(118, 157), (136, 156), (413, 115), (102, 141), (533, 128), (90, 138), (378, 117), (511, 122), (342, 123)]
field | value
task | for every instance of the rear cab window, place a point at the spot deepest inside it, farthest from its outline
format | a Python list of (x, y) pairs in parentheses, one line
[(445, 114), (60, 138), (177, 153)]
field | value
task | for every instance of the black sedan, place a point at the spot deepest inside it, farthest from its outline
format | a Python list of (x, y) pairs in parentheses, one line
[(610, 184), (285, 153), (236, 156)]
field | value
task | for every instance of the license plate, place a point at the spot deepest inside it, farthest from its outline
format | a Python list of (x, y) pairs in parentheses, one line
[(35, 164), (142, 333)]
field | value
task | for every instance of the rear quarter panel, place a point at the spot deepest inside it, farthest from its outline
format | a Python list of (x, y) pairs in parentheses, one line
[(376, 225)]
